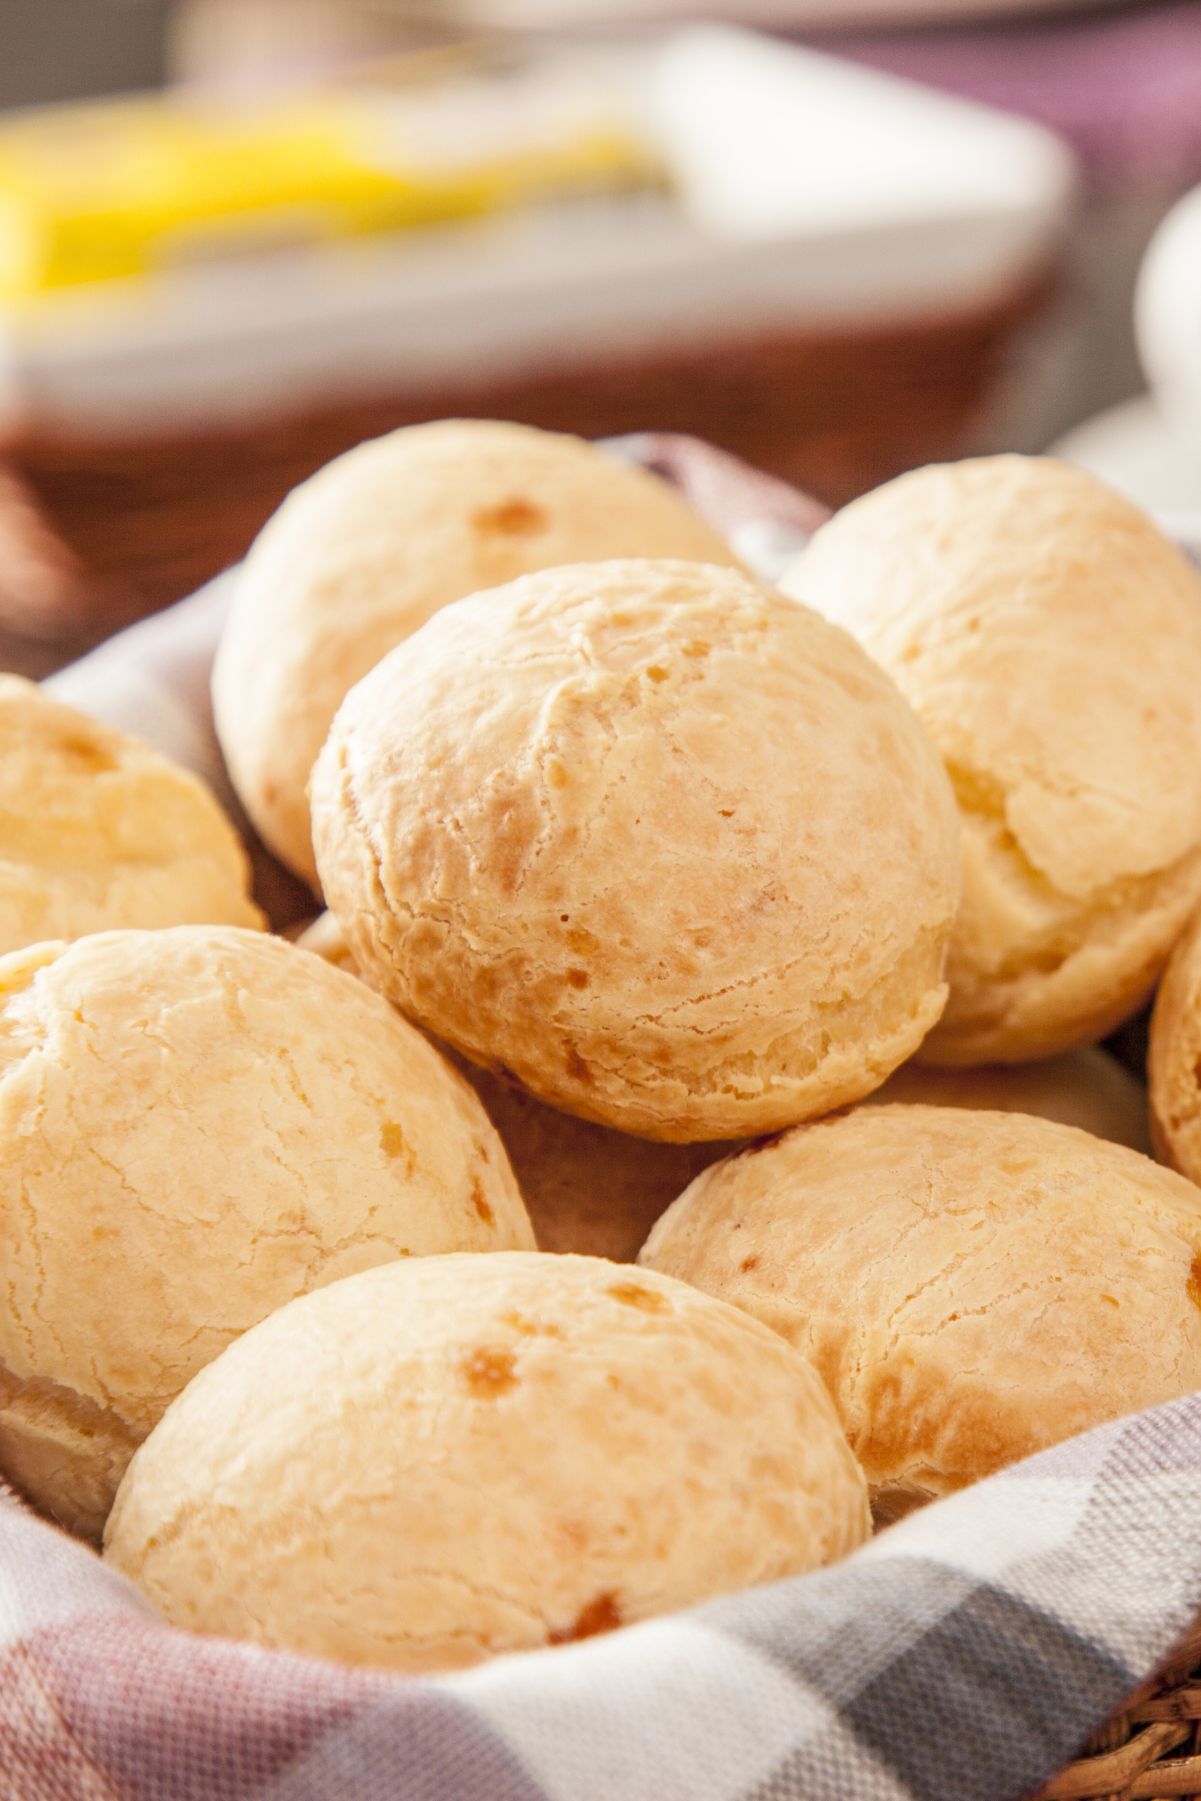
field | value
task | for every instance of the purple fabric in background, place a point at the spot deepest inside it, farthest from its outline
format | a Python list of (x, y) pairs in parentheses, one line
[(1122, 86)]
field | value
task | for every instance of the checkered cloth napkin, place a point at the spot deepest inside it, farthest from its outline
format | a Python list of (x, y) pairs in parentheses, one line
[(963, 1656)]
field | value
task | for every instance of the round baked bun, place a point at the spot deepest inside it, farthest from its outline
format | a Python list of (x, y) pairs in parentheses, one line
[(324, 938), (196, 1125), (437, 1461), (1174, 1058), (1088, 1088), (365, 551), (98, 831), (971, 1286), (663, 845), (586, 1188), (1049, 637)]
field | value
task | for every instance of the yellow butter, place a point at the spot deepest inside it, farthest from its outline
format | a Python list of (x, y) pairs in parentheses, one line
[(105, 190)]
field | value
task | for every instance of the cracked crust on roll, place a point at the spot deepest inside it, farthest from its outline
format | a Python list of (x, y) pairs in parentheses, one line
[(98, 831), (363, 553), (586, 1188), (666, 847), (972, 1286), (442, 1460), (1049, 636), (1174, 1058), (197, 1125)]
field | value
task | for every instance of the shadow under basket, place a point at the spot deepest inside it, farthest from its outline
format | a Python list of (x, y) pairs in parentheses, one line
[(147, 515)]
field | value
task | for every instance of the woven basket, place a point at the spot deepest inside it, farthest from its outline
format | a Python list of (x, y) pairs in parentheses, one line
[(1152, 1746), (148, 519), (1151, 1749)]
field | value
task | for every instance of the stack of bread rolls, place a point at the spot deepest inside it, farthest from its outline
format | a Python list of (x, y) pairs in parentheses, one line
[(682, 1138)]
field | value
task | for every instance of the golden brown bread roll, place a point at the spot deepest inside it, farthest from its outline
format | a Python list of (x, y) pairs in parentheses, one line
[(443, 1459), (586, 1188), (98, 831), (197, 1125), (365, 551), (663, 845), (1049, 636), (1174, 1058), (971, 1286)]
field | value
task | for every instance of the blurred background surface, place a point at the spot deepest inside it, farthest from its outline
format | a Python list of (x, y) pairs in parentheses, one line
[(837, 237)]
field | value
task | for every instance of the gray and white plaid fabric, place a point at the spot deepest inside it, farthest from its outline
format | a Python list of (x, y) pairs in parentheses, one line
[(962, 1656)]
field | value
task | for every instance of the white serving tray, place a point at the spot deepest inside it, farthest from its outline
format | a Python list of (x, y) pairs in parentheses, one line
[(814, 193), (794, 15)]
